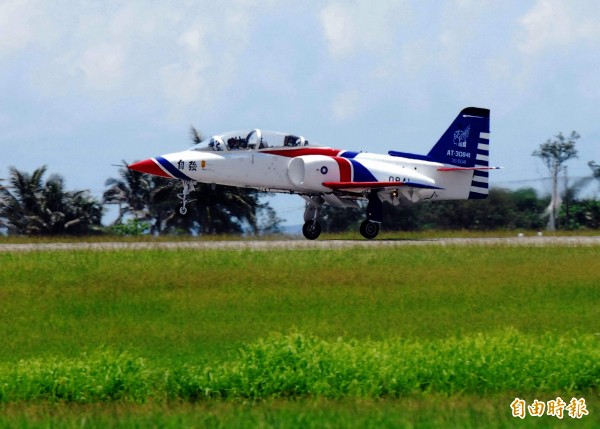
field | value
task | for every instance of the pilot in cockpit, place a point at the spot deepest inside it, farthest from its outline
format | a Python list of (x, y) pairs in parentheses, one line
[(234, 143)]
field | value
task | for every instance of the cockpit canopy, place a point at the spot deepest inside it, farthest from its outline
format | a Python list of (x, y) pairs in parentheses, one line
[(251, 140)]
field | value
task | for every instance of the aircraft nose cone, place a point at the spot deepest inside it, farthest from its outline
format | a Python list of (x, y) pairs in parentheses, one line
[(149, 166)]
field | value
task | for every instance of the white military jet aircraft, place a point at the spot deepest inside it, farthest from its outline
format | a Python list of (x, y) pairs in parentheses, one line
[(455, 168)]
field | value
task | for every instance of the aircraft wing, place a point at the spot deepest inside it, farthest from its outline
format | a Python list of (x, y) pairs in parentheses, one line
[(357, 186)]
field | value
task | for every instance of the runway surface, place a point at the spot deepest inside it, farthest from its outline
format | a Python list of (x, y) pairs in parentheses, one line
[(299, 244)]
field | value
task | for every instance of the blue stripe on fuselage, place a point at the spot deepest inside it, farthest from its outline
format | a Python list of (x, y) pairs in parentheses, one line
[(348, 154), (361, 173), (410, 155), (171, 168)]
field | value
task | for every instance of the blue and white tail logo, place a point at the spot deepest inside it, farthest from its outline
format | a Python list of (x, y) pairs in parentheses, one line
[(461, 136)]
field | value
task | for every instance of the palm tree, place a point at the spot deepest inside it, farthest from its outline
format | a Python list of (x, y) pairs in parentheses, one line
[(31, 207), (140, 196), (131, 192)]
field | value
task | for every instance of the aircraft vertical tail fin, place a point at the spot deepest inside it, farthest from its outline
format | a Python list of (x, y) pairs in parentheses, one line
[(466, 143)]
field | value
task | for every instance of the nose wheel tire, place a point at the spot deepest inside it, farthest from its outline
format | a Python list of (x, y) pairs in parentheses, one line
[(311, 229), (369, 229), (182, 210)]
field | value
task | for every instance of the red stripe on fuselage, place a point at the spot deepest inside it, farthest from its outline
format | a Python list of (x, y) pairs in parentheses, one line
[(344, 164), (292, 153), (345, 168)]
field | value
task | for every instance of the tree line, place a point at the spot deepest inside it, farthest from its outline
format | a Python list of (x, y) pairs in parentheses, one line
[(32, 205), (503, 209)]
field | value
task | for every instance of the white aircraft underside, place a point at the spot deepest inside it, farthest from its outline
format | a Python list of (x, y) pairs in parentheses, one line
[(455, 168)]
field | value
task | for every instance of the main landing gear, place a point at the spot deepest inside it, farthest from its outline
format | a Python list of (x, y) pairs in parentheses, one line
[(312, 229), (188, 186), (368, 229)]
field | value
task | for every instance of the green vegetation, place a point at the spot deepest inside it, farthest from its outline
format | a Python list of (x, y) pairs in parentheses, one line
[(458, 411), (296, 366), (348, 235), (463, 329), (195, 305)]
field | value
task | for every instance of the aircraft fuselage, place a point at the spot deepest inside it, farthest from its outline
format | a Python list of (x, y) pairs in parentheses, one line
[(455, 168)]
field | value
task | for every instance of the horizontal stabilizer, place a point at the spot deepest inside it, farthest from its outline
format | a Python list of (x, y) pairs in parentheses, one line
[(410, 156)]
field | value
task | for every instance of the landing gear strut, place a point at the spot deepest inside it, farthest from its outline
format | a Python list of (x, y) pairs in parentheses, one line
[(188, 186), (370, 227)]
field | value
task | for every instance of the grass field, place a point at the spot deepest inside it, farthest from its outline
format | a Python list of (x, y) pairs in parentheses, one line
[(360, 337)]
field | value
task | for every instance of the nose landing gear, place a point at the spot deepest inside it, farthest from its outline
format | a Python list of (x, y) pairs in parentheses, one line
[(188, 186)]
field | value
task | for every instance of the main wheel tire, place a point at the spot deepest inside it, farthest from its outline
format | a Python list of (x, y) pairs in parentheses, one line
[(369, 229), (182, 210), (311, 229)]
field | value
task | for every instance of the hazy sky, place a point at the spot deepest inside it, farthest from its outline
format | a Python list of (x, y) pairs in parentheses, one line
[(86, 84)]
